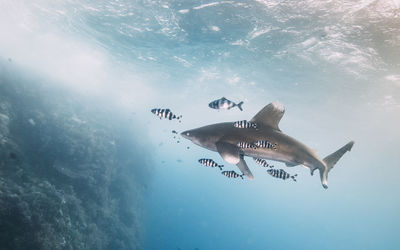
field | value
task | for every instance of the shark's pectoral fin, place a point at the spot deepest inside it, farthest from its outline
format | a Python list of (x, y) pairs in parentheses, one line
[(270, 115), (244, 168), (228, 152)]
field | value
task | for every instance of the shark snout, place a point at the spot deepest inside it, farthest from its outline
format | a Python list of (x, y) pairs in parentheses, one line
[(186, 134)]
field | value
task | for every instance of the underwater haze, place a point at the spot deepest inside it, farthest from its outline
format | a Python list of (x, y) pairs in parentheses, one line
[(86, 165)]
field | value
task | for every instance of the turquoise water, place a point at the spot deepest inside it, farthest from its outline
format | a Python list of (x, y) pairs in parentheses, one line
[(335, 65)]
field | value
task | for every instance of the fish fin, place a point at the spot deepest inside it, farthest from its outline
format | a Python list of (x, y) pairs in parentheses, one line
[(270, 115), (244, 168), (239, 105), (312, 170), (331, 160), (291, 164), (228, 152)]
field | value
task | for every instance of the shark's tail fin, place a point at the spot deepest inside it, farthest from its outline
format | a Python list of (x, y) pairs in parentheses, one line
[(239, 105), (294, 177), (331, 160)]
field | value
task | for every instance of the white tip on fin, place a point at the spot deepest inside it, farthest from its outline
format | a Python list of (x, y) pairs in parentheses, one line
[(244, 168), (228, 152), (279, 106)]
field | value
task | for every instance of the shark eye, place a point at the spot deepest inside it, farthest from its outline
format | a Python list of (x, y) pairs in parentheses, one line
[(187, 133)]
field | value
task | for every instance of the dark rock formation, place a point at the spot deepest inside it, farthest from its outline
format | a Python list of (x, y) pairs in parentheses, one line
[(71, 175)]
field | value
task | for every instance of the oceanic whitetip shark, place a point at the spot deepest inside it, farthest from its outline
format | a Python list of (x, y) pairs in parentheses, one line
[(224, 138)]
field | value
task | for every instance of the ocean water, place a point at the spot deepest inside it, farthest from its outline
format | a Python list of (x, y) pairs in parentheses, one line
[(335, 65)]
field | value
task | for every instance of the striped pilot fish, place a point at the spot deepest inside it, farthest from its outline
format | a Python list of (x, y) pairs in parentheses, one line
[(281, 174), (224, 103), (165, 113), (243, 144), (265, 144), (262, 162), (245, 124), (232, 174), (210, 163)]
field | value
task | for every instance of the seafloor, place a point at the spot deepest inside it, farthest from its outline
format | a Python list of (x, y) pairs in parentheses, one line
[(71, 176)]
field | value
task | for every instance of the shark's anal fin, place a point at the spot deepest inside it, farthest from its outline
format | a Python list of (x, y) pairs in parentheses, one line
[(244, 168), (270, 115), (228, 152)]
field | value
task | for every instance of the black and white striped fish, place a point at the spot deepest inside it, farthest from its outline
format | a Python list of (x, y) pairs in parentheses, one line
[(243, 144), (232, 174), (262, 162), (210, 163), (245, 124), (224, 103), (281, 174), (265, 144), (165, 113)]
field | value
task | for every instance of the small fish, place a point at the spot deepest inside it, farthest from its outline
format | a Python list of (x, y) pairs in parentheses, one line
[(232, 174), (265, 144), (165, 113), (245, 124), (281, 174), (262, 162), (224, 103), (174, 132), (210, 163), (243, 144)]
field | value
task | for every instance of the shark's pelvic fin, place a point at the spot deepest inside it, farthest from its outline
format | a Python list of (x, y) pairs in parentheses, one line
[(331, 160), (244, 168), (228, 152), (270, 115)]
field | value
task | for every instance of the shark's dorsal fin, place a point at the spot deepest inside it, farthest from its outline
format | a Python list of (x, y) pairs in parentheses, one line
[(228, 152), (270, 115)]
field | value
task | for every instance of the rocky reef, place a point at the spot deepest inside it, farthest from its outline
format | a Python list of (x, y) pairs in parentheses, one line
[(71, 173)]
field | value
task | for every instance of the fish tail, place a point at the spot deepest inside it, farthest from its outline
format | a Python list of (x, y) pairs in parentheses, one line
[(241, 176), (331, 160), (294, 177), (220, 167), (239, 105)]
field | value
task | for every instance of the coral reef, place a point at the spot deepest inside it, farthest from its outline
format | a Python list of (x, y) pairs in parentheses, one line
[(71, 174)]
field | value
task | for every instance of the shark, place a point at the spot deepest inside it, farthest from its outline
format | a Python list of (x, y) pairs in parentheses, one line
[(224, 138)]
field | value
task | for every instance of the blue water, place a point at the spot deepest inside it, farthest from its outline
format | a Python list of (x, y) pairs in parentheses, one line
[(335, 65)]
